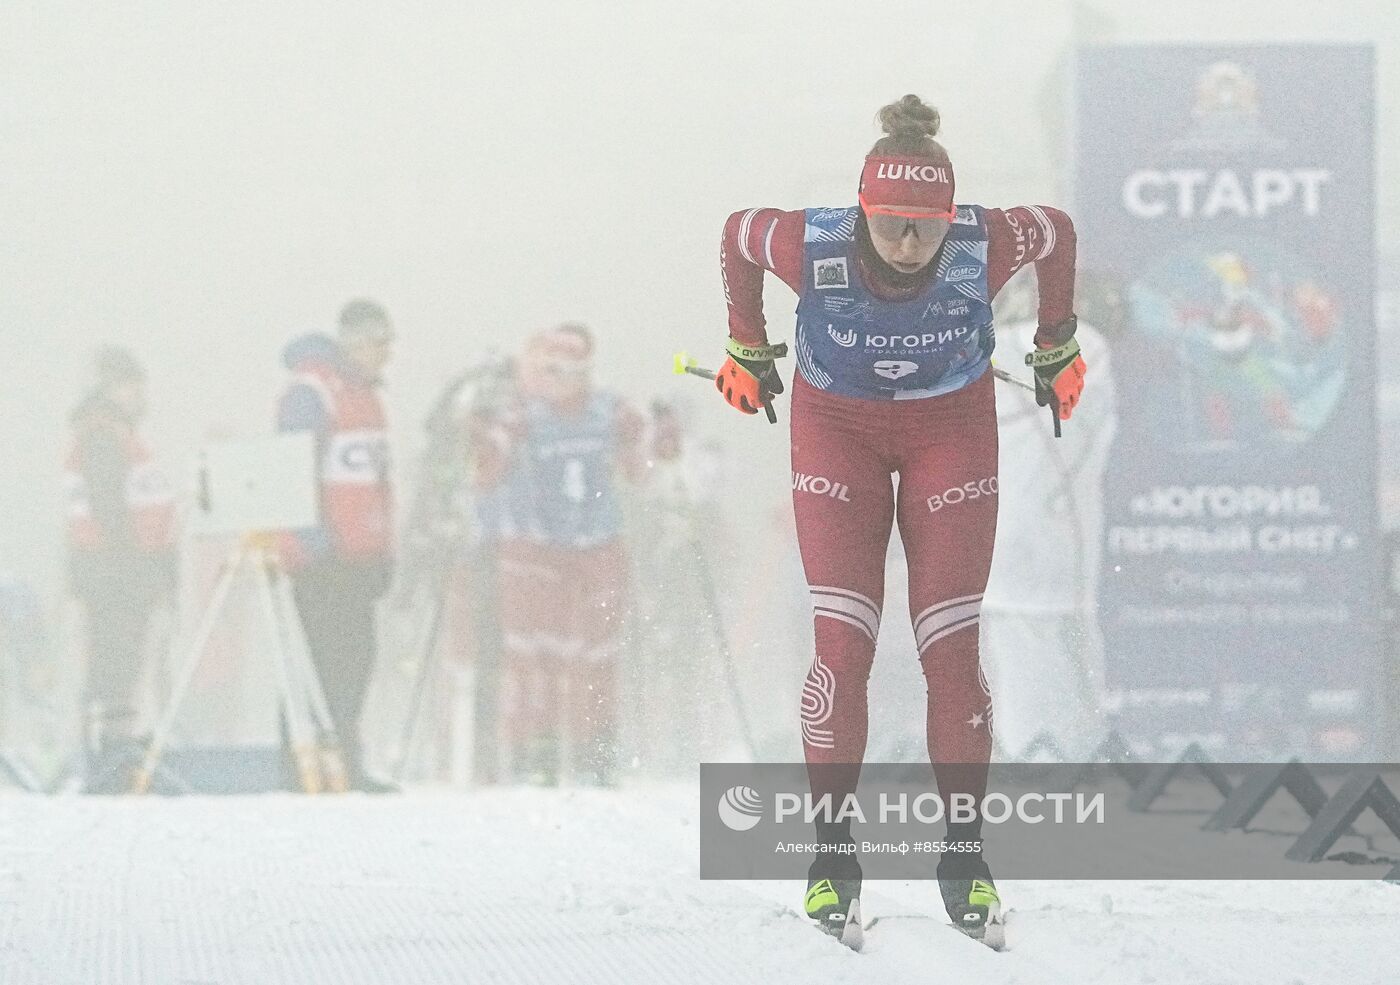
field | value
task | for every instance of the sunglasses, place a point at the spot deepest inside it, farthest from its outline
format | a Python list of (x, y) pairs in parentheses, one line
[(888, 224)]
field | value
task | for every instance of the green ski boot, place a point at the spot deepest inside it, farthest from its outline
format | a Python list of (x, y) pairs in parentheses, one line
[(833, 898), (971, 899)]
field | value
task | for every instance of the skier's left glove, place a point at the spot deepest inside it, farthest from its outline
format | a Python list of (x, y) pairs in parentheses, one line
[(1058, 368), (749, 379)]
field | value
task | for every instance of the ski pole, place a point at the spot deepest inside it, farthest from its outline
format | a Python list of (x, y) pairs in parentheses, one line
[(682, 364), (1006, 377)]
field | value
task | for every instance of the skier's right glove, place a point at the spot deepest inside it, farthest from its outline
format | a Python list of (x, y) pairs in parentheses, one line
[(748, 379)]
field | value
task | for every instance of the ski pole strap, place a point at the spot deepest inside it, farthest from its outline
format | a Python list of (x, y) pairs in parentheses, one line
[(755, 353)]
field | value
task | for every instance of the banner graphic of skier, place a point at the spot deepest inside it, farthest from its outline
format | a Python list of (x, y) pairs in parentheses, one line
[(1229, 193)]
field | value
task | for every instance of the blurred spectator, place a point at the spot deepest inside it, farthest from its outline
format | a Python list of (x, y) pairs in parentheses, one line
[(120, 519), (341, 567)]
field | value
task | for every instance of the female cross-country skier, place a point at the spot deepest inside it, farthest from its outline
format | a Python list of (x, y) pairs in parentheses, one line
[(894, 341)]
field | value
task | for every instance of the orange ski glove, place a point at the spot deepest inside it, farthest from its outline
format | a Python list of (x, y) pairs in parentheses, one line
[(749, 379), (1059, 376)]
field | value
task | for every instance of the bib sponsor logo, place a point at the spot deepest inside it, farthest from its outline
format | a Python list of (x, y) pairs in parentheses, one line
[(844, 339), (844, 304), (820, 485), (963, 493), (965, 272), (894, 369), (913, 172), (959, 308), (831, 273), (965, 218), (923, 341)]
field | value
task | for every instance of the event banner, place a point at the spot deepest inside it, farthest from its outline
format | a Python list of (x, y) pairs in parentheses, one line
[(1227, 196)]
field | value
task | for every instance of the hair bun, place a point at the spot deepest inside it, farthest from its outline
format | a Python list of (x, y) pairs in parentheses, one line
[(909, 117)]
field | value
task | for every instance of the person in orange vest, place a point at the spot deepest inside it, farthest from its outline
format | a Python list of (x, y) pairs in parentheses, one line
[(341, 567), (121, 558)]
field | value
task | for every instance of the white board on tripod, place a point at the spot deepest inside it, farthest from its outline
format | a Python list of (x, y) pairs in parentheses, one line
[(258, 484)]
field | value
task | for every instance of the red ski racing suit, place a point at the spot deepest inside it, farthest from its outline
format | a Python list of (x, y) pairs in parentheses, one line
[(892, 380)]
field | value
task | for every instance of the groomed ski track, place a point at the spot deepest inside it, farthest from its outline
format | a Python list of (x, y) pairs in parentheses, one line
[(587, 886)]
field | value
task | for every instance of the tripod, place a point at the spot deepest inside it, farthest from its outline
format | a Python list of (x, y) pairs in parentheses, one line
[(315, 745)]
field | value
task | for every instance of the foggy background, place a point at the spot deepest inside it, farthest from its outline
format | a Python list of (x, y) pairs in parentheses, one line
[(203, 181)]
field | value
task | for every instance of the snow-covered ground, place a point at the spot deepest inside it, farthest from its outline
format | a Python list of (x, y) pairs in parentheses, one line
[(532, 886)]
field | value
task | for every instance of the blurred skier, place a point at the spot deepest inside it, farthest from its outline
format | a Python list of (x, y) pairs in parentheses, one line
[(341, 568), (121, 557), (894, 339), (548, 473)]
